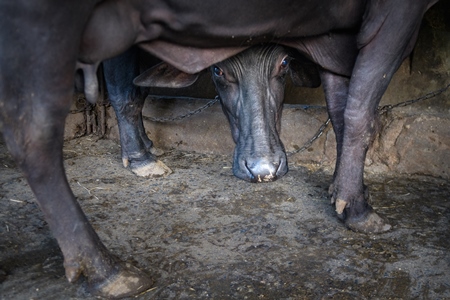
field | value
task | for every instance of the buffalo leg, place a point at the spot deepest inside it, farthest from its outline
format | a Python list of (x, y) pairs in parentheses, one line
[(336, 93), (36, 86), (127, 101), (38, 152), (382, 50)]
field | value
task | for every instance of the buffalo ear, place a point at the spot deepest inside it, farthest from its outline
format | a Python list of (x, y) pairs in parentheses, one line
[(304, 73), (164, 75)]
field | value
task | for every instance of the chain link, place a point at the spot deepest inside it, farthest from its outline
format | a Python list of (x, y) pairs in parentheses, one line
[(86, 105)]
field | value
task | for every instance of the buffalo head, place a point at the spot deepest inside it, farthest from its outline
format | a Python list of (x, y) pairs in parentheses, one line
[(251, 89)]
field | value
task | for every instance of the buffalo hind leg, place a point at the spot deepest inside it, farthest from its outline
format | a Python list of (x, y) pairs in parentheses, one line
[(336, 92)]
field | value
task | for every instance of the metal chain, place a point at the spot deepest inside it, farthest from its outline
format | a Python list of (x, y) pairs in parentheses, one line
[(189, 114), (383, 109), (308, 144), (86, 105)]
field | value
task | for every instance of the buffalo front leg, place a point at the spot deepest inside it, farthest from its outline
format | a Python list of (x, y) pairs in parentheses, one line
[(37, 149), (36, 88), (336, 95), (33, 128), (138, 151), (383, 47)]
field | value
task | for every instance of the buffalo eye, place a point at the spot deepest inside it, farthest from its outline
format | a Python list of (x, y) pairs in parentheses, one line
[(218, 71), (284, 63)]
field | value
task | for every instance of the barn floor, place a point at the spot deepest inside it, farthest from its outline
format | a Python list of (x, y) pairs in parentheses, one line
[(203, 234)]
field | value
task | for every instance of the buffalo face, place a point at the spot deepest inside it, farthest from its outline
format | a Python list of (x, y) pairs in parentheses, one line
[(251, 86), (251, 89)]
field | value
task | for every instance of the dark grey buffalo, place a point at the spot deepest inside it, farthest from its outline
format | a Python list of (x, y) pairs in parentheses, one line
[(251, 89), (357, 45)]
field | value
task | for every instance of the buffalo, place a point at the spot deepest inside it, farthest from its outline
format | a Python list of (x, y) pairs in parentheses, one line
[(357, 46)]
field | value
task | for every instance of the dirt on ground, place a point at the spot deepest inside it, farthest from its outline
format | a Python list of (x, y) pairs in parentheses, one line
[(204, 234)]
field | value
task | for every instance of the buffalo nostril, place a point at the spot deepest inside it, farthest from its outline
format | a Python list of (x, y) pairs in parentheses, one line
[(263, 170)]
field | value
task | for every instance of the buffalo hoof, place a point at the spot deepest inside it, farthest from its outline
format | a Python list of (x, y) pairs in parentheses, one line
[(151, 169), (128, 281), (368, 223)]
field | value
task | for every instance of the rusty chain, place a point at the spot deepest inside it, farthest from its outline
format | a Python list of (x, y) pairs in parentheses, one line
[(382, 110)]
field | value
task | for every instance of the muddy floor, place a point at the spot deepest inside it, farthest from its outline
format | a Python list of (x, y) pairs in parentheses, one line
[(204, 234)]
